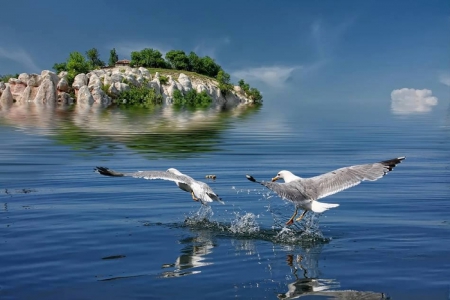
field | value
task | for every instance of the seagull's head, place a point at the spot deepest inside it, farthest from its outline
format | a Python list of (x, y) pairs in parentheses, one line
[(174, 171), (287, 176)]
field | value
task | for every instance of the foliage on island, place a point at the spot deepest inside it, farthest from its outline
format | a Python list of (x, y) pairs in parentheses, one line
[(151, 58)]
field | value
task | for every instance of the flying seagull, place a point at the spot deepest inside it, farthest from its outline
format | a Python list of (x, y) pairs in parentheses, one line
[(200, 191), (304, 192)]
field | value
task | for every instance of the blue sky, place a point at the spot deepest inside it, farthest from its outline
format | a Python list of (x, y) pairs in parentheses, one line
[(326, 50)]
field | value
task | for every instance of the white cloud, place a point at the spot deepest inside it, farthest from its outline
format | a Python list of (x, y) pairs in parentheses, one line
[(445, 78), (275, 76), (20, 56), (412, 101)]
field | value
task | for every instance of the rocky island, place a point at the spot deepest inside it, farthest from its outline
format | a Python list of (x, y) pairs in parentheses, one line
[(100, 86)]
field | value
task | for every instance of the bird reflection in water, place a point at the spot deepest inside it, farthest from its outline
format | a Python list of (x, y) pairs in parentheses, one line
[(307, 284), (192, 256)]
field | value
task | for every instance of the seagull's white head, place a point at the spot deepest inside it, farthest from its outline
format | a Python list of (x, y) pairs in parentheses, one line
[(287, 176), (174, 171)]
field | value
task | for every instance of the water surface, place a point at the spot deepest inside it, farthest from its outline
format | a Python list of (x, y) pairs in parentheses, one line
[(69, 233)]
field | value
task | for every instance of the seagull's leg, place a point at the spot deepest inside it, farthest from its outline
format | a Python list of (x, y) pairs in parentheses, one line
[(301, 217), (193, 196), (291, 220)]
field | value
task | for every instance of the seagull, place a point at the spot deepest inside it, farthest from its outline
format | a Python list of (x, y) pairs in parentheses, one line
[(200, 191), (304, 192)]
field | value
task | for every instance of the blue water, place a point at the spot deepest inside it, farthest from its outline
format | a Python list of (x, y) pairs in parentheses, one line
[(70, 233)]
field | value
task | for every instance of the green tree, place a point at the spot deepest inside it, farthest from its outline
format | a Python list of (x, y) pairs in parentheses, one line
[(195, 64), (76, 64), (178, 59), (113, 57), (252, 93), (209, 67), (94, 58), (223, 79), (59, 67), (149, 58)]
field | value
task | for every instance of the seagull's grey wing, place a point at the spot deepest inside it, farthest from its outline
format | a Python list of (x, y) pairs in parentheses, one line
[(164, 175), (293, 191), (344, 178)]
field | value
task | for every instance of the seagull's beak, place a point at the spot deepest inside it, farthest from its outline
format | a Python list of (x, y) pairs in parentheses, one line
[(275, 178)]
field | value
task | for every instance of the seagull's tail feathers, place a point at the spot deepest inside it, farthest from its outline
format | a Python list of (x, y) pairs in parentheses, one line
[(320, 207), (213, 197), (108, 172)]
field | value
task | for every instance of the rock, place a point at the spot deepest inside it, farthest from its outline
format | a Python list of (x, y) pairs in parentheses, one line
[(145, 73), (157, 75), (63, 85), (94, 80), (50, 75), (131, 80), (27, 95), (17, 87), (185, 82), (6, 97), (34, 80), (156, 85), (112, 90), (62, 74), (117, 77), (46, 92), (2, 86), (85, 96), (24, 77), (100, 97), (65, 99), (107, 81), (121, 87), (80, 81)]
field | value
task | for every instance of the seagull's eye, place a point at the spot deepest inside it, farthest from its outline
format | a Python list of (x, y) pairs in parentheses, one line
[(278, 175)]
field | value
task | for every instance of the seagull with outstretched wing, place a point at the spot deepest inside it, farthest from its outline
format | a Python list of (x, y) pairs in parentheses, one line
[(304, 192), (199, 190)]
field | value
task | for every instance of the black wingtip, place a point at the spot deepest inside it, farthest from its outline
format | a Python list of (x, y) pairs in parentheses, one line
[(391, 163), (107, 172), (249, 177)]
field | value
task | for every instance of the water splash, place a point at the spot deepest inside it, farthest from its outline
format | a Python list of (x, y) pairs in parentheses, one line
[(245, 224)]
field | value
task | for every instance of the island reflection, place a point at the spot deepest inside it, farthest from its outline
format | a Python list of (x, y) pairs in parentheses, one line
[(163, 130)]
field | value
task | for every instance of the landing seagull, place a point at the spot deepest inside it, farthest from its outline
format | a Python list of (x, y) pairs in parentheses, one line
[(200, 191), (304, 192)]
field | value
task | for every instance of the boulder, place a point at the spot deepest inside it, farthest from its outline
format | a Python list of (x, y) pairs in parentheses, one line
[(84, 96), (100, 97), (50, 75), (17, 87), (185, 82), (62, 74), (63, 85), (121, 87), (46, 92), (145, 73), (94, 80), (65, 99), (24, 77), (34, 80), (2, 86), (80, 81), (156, 85), (6, 97)]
